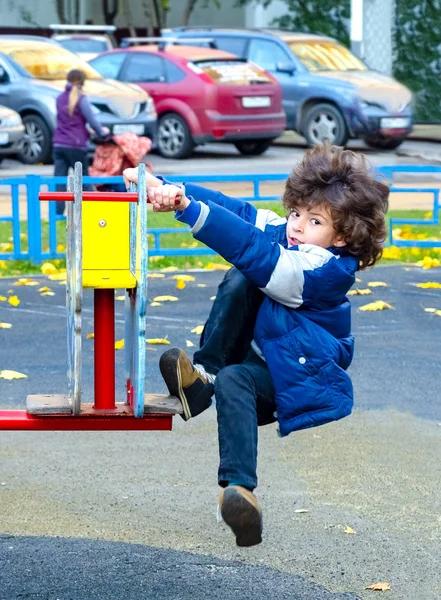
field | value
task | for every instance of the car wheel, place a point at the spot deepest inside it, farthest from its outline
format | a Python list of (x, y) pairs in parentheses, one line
[(324, 122), (379, 143), (253, 148), (37, 142), (173, 138)]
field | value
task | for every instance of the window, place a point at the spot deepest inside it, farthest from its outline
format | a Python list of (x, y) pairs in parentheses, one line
[(235, 45), (173, 72), (110, 65), (318, 55), (233, 72), (47, 61), (89, 46), (267, 54), (144, 68)]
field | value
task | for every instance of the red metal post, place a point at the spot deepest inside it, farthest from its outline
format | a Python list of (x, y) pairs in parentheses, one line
[(104, 343)]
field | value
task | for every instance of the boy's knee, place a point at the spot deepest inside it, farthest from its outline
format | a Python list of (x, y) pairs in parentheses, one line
[(228, 379)]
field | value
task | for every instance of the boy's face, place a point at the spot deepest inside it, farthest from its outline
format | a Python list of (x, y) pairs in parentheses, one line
[(312, 226)]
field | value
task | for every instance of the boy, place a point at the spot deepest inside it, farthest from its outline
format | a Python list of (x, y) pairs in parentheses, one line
[(297, 271)]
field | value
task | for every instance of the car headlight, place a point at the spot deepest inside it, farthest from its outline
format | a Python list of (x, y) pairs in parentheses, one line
[(11, 121), (150, 108)]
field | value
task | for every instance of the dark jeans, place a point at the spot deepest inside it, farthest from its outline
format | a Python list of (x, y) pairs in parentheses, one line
[(63, 159), (243, 388)]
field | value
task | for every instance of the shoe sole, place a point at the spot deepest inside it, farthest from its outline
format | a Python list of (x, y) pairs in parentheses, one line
[(243, 518), (171, 373)]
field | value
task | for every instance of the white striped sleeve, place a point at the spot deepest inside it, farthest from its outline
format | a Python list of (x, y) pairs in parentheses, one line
[(287, 279), (266, 217)]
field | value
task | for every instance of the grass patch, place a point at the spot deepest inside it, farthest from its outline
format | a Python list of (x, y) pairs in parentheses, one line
[(182, 240)]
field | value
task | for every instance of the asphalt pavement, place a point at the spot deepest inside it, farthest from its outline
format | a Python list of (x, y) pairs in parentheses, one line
[(110, 515)]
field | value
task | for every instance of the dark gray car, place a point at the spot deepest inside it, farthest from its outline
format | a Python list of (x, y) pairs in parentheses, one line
[(33, 73)]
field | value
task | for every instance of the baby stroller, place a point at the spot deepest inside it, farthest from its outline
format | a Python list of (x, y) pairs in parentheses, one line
[(115, 153)]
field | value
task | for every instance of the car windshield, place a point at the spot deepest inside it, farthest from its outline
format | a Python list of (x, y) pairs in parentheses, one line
[(233, 72), (318, 55), (84, 45), (49, 61)]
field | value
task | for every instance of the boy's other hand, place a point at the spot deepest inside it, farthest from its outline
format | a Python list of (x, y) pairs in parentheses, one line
[(131, 176), (166, 198)]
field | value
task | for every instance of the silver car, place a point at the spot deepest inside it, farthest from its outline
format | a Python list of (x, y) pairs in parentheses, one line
[(11, 132), (33, 73)]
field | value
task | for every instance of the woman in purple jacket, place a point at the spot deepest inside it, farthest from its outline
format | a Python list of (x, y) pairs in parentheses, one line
[(71, 134)]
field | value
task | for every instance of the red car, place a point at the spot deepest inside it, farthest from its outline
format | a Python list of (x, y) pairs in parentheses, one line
[(201, 95)]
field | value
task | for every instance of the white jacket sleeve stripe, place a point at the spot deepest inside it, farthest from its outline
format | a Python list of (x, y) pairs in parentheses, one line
[(287, 280), (266, 217)]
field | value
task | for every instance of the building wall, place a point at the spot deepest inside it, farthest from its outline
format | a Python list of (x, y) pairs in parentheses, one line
[(41, 13)]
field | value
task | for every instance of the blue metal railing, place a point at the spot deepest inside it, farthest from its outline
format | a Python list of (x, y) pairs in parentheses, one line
[(33, 183)]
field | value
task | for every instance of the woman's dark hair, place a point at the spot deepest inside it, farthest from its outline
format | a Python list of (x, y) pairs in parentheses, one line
[(342, 181), (77, 78)]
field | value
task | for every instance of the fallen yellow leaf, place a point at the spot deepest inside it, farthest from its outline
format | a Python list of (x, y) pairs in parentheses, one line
[(44, 289), (301, 510), (431, 310), (48, 268), (90, 336), (155, 304), (61, 248), (155, 275), (438, 313), (217, 267), (120, 298), (157, 341), (180, 284), (3, 298), (26, 281), (5, 325), (377, 284), (378, 305), (189, 344), (428, 262), (183, 277), (165, 299), (6, 247), (429, 285), (47, 293), (14, 300), (119, 344), (212, 297), (202, 285), (349, 530), (381, 586), (198, 329), (357, 280), (57, 276), (359, 292), (12, 375)]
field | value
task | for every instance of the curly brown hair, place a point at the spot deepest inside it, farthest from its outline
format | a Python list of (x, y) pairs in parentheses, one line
[(342, 181)]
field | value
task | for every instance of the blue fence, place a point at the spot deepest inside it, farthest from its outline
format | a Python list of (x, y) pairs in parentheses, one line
[(33, 183)]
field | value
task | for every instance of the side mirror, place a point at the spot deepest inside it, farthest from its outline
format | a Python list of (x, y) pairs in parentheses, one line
[(285, 67)]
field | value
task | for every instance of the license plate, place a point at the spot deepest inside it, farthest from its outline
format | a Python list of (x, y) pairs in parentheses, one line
[(395, 123), (256, 101), (4, 138), (138, 129)]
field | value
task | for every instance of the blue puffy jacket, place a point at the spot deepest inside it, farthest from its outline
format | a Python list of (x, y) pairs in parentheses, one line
[(303, 328)]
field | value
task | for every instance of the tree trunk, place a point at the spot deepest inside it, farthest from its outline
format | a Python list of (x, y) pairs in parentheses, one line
[(60, 11), (110, 13), (187, 11)]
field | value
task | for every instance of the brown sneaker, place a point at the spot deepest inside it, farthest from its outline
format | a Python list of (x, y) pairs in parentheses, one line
[(193, 387), (241, 511)]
